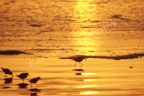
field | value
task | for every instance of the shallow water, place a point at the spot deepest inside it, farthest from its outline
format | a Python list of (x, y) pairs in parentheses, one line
[(100, 77), (42, 32)]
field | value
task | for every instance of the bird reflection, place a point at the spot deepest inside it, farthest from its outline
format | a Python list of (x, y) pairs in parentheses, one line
[(78, 73), (79, 76), (34, 91), (33, 94), (6, 87), (79, 69), (22, 85), (8, 80)]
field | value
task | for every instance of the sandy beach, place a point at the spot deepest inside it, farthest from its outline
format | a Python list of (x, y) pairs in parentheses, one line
[(76, 47)]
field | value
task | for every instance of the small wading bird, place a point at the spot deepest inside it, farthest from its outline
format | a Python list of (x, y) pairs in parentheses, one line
[(6, 71), (77, 59), (34, 80), (23, 76)]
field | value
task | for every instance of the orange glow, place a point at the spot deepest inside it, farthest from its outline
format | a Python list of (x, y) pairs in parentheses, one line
[(86, 44), (86, 39), (88, 74), (87, 86), (90, 93), (89, 80), (84, 10)]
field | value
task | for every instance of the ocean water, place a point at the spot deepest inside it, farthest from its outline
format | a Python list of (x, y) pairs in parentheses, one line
[(42, 37)]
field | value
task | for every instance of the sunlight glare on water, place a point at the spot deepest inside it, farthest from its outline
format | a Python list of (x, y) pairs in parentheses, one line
[(83, 11), (42, 37), (84, 43), (88, 93)]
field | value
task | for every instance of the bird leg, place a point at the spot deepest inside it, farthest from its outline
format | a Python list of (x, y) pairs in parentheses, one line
[(81, 65), (23, 80), (75, 64), (5, 75), (31, 85)]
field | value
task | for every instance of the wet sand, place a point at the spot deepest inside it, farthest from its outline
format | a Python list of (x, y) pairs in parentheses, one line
[(99, 78), (41, 37)]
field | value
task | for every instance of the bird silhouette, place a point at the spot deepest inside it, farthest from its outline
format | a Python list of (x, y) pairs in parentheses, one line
[(23, 76), (76, 58), (34, 80), (6, 71)]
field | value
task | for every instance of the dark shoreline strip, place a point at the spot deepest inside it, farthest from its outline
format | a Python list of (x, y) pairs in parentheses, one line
[(12, 52), (118, 57)]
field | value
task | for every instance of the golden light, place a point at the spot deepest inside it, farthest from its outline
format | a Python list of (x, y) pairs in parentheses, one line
[(90, 80), (87, 86), (88, 74), (90, 93), (83, 10), (86, 41), (85, 44)]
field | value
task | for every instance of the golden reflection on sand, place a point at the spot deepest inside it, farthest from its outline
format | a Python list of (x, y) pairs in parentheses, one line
[(88, 74), (86, 42), (87, 84), (90, 80), (89, 93), (84, 10)]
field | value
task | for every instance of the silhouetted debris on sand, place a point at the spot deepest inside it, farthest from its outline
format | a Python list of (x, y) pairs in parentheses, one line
[(8, 80), (131, 67), (117, 57), (35, 25), (12, 52), (118, 16)]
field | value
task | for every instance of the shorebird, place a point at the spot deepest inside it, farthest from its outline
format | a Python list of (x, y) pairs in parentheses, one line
[(34, 80), (23, 76), (76, 58), (6, 71)]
